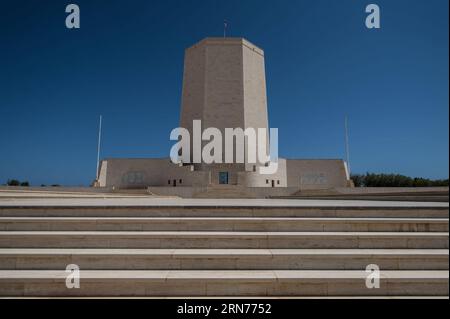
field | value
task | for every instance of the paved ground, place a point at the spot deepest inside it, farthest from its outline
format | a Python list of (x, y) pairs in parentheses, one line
[(164, 202), (62, 194)]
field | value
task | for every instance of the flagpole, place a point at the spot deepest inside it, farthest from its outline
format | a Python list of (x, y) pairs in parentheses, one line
[(98, 147), (347, 148)]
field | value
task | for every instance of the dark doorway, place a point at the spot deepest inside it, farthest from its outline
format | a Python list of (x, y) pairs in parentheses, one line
[(174, 183), (223, 178), (273, 183)]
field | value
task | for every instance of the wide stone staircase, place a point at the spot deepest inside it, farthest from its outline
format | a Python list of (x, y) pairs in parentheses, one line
[(224, 251), (225, 191)]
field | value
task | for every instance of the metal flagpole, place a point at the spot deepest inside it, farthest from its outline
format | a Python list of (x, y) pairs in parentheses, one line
[(347, 148), (98, 146)]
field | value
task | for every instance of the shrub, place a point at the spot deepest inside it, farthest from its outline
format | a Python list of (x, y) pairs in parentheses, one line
[(394, 180), (13, 182)]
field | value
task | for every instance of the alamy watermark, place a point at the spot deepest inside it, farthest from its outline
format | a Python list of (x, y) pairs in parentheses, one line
[(373, 278), (373, 19), (249, 146), (73, 277), (73, 19)]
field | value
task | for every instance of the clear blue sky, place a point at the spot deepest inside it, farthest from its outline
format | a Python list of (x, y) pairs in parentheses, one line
[(126, 62)]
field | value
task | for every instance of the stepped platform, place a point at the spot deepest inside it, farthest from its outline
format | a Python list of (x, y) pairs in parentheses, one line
[(171, 247)]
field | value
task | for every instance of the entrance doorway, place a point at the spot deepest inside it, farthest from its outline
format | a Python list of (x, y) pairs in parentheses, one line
[(223, 178)]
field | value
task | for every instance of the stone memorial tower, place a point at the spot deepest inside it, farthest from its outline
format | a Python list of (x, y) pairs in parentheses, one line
[(224, 86)]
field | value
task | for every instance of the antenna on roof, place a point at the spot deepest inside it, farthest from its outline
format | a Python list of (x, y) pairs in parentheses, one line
[(98, 147), (225, 26), (347, 148)]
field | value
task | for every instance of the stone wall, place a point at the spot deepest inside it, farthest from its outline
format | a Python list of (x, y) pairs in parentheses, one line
[(141, 173), (316, 174), (300, 174)]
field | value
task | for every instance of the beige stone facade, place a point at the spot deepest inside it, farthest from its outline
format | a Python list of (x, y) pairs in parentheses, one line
[(224, 86)]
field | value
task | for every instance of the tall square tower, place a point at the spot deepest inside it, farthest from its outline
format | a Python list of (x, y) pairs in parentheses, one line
[(224, 86)]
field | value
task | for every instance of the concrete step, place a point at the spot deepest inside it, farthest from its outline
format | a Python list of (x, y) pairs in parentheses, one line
[(225, 259), (225, 211), (226, 191), (224, 194), (222, 283), (224, 224), (374, 197), (198, 239)]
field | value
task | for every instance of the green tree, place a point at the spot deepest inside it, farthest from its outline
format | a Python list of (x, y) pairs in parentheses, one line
[(358, 180), (13, 182), (394, 180)]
